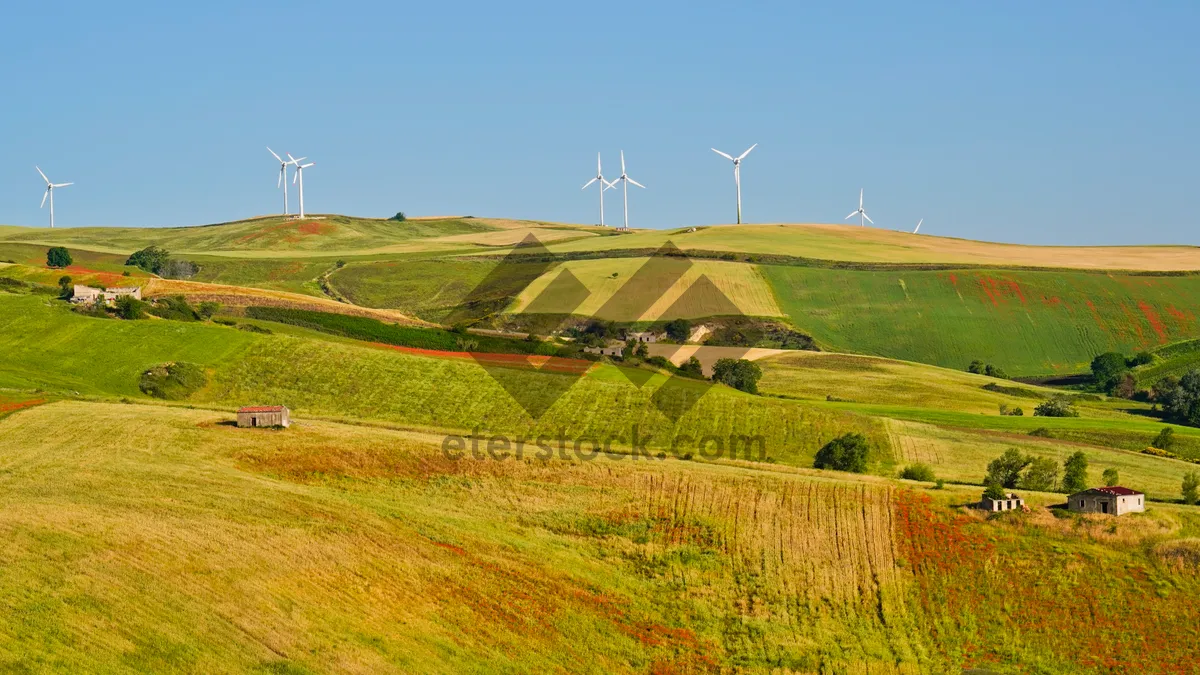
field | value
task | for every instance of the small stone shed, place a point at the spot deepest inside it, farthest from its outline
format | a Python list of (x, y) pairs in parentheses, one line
[(86, 294), (264, 416), (1114, 500), (1010, 502), (644, 336), (610, 349)]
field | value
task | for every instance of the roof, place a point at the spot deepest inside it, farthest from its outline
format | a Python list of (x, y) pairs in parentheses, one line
[(262, 408), (1114, 490)]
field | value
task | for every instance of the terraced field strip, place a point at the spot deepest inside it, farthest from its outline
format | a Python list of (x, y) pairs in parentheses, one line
[(741, 284)]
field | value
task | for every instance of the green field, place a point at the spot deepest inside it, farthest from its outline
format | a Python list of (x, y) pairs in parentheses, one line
[(1026, 322), (428, 289)]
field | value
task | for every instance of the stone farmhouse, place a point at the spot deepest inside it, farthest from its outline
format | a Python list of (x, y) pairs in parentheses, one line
[(646, 336), (88, 295), (264, 416), (1115, 500), (1009, 503)]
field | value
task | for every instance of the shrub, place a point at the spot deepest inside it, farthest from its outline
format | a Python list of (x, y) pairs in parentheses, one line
[(57, 256), (1165, 439), (918, 471), (399, 217), (1182, 402), (1075, 473), (692, 368), (847, 452), (130, 308), (994, 371), (65, 285), (737, 373), (994, 491), (150, 259), (251, 328), (1140, 359), (173, 381), (1190, 489), (1041, 432), (175, 308), (1006, 469), (1041, 475), (679, 330), (976, 367), (1057, 406), (1125, 387), (178, 269), (1112, 476)]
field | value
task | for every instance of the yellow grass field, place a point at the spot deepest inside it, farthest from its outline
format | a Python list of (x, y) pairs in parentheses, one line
[(741, 284), (870, 244)]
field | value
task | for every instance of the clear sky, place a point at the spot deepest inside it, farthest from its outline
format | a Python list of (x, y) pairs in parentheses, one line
[(1039, 122)]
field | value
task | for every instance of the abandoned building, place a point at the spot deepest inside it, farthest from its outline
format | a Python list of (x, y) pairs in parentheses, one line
[(88, 295), (263, 416), (1010, 502), (1114, 500), (613, 348)]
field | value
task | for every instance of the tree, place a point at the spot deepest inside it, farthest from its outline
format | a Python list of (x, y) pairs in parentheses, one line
[(993, 371), (994, 491), (692, 368), (151, 259), (1139, 359), (1182, 403), (64, 284), (1191, 487), (976, 367), (1165, 439), (847, 452), (737, 373), (679, 330), (399, 217), (206, 309), (1006, 469), (1041, 475), (1112, 476), (918, 471), (1107, 368), (1125, 386), (641, 351), (58, 256), (1075, 473), (1056, 406)]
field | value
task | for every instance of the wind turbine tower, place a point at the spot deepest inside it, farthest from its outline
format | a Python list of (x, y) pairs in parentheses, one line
[(299, 178), (737, 175), (604, 185), (625, 180), (283, 165), (50, 193), (861, 212)]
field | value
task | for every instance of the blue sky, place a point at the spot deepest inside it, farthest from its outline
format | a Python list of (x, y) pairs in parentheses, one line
[(1064, 122)]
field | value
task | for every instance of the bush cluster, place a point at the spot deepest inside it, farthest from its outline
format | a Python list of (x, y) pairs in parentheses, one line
[(173, 381)]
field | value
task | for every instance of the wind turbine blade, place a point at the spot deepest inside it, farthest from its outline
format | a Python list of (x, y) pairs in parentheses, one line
[(39, 170), (298, 160), (589, 183), (743, 155), (282, 170), (296, 176), (729, 157), (850, 216), (622, 162), (44, 195), (860, 197), (62, 184), (598, 169), (918, 228), (868, 218), (274, 155), (635, 182), (305, 166)]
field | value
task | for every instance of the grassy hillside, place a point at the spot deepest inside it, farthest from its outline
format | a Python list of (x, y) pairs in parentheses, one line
[(1026, 322), (163, 539)]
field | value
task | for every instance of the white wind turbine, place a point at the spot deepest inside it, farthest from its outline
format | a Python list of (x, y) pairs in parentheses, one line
[(918, 228), (604, 185), (299, 178), (737, 175), (50, 193), (625, 180), (283, 165), (861, 212)]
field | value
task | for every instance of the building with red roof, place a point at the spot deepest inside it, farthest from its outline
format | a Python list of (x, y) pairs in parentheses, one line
[(1113, 500), (264, 416)]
